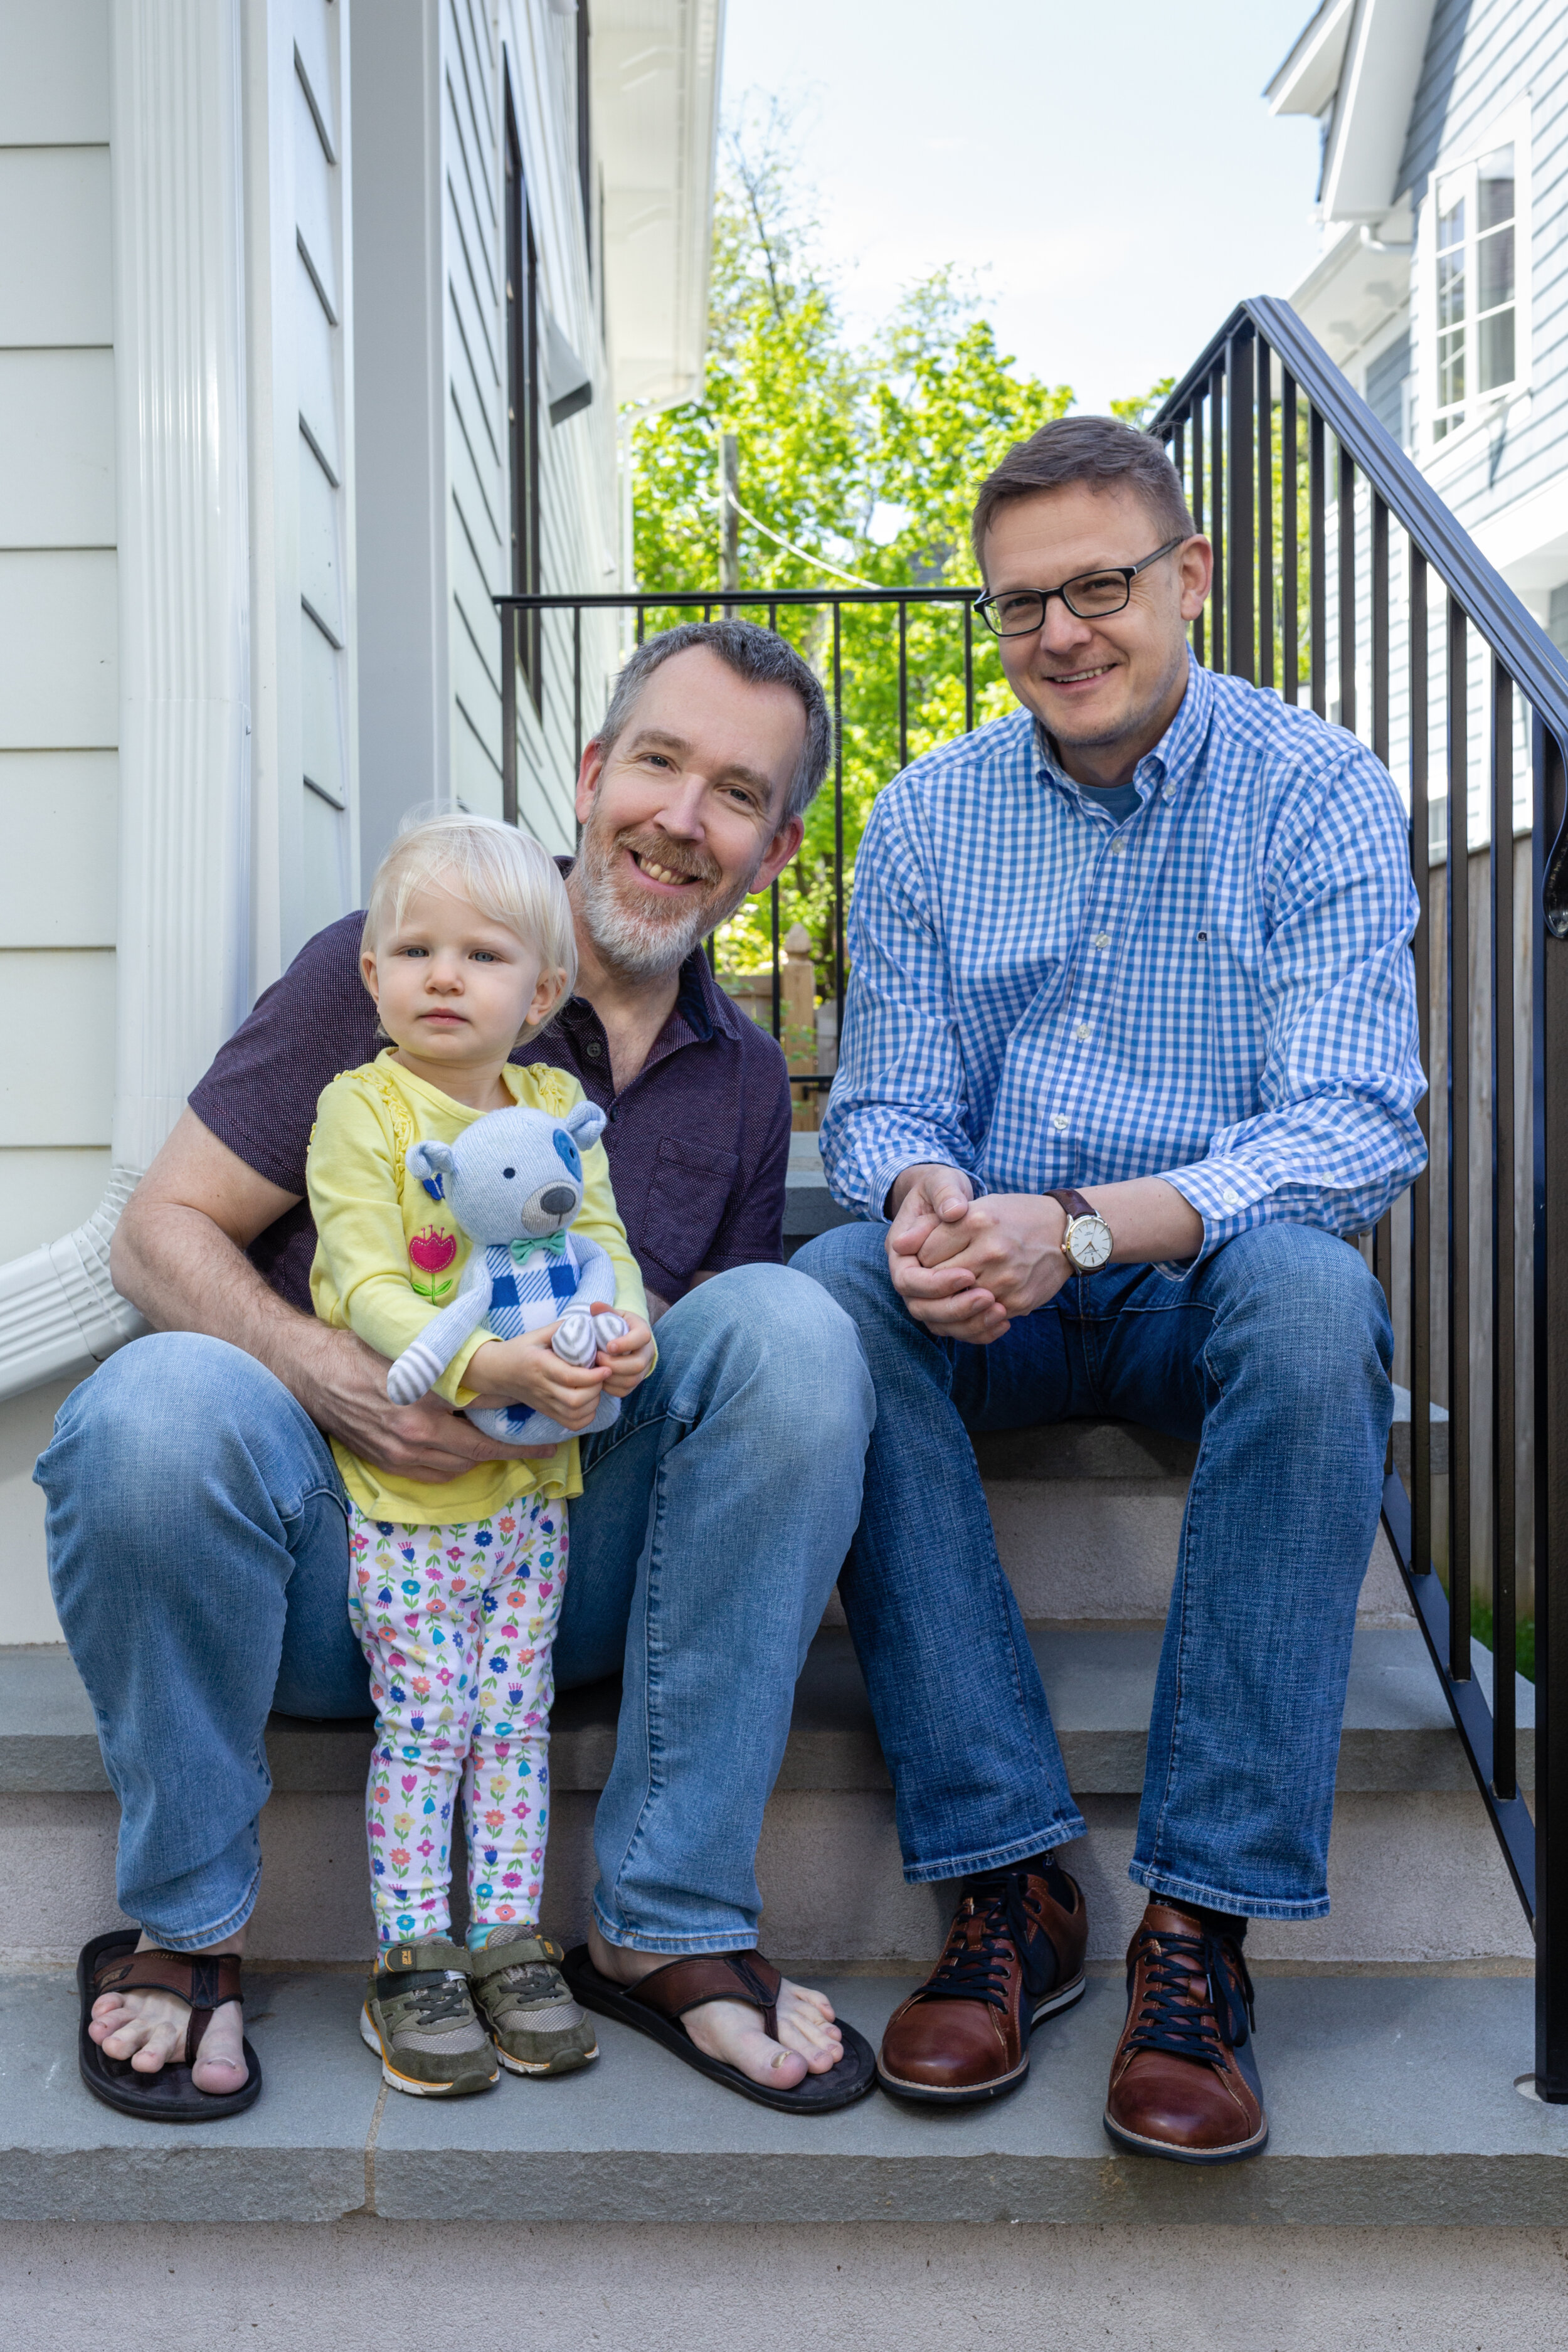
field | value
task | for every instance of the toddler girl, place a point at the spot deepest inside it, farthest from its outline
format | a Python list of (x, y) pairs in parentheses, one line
[(455, 1590)]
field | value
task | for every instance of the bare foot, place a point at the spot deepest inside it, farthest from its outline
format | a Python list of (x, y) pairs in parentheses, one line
[(149, 2028), (809, 2042)]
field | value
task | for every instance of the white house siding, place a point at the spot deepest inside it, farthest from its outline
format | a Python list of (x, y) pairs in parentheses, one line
[(1504, 475), (59, 688), (433, 513), (301, 388)]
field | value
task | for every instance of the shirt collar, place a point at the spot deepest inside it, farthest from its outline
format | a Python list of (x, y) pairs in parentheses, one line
[(1174, 757)]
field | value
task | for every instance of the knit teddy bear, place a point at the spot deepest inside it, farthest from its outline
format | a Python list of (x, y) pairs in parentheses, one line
[(513, 1182)]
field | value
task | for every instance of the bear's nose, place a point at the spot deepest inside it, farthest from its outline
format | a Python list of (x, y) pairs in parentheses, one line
[(559, 1202)]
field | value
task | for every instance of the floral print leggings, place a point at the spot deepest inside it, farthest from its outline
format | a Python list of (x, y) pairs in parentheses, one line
[(457, 1624)]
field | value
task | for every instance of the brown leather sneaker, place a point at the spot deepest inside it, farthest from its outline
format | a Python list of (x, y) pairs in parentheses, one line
[(1184, 2082), (1012, 1956)]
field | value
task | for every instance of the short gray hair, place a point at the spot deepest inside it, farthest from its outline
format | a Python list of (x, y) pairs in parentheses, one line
[(760, 657), (1098, 451)]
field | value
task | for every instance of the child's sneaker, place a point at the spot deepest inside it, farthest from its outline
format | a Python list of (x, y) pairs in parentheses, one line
[(419, 2016), (521, 1995)]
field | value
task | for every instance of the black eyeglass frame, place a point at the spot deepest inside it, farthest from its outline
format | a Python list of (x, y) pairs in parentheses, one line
[(985, 605)]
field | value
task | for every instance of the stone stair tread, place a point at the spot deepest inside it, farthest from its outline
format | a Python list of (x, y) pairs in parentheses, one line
[(1100, 1680), (1391, 2099)]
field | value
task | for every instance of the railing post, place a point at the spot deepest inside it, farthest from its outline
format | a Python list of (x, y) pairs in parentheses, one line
[(1505, 1465), (1459, 878), (508, 713), (1219, 513), (1241, 373), (1549, 1138)]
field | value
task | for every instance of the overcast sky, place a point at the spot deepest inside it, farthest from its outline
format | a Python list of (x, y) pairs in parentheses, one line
[(1110, 166)]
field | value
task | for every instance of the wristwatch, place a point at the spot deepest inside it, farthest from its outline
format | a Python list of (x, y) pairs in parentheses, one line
[(1087, 1243)]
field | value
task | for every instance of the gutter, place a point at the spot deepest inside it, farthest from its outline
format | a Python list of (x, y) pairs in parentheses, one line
[(184, 627)]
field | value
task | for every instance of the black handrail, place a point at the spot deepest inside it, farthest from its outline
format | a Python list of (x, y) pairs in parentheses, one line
[(1228, 469)]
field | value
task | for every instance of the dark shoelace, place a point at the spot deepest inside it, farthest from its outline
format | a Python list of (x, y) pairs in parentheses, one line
[(1175, 2020), (978, 1970)]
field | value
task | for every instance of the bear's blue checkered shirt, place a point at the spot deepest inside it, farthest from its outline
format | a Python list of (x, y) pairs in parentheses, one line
[(1219, 991)]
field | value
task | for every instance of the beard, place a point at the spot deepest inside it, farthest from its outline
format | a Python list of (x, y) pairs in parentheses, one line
[(642, 937)]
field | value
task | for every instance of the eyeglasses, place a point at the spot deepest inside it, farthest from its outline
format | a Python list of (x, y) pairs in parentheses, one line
[(1019, 612)]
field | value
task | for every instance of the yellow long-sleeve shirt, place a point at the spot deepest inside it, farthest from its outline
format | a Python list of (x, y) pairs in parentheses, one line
[(388, 1258)]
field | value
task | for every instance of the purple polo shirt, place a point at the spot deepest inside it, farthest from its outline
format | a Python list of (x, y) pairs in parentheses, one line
[(698, 1143)]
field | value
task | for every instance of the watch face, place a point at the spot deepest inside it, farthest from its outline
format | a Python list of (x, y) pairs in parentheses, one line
[(1088, 1244)]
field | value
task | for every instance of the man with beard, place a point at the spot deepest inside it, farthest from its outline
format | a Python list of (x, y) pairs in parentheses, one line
[(197, 1525)]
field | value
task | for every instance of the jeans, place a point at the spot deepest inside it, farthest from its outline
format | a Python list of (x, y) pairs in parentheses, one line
[(199, 1558), (1275, 1355)]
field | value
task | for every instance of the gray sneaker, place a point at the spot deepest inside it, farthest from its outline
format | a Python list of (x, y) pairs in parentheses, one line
[(537, 2027), (418, 2016)]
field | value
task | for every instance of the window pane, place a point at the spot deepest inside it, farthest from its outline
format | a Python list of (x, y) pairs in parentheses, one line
[(1494, 269), (1494, 191), (1450, 289), (1445, 425), (1451, 208), (1496, 354), (1450, 369)]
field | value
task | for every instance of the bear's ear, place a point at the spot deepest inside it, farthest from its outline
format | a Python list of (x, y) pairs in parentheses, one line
[(431, 1162), (584, 1124)]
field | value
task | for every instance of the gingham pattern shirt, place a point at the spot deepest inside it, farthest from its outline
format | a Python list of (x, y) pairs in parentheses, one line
[(1219, 990)]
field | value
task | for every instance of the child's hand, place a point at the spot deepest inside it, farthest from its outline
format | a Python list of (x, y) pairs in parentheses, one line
[(528, 1371), (628, 1360)]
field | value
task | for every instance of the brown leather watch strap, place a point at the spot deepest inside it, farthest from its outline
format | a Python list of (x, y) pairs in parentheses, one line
[(712, 1976), (1074, 1202)]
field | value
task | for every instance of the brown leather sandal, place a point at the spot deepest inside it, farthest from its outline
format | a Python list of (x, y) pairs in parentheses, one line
[(206, 1980), (657, 2005)]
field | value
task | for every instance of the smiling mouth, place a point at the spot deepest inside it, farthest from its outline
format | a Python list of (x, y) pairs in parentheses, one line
[(1081, 677), (657, 873)]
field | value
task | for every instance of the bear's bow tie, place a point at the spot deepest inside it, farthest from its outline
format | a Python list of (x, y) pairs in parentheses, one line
[(550, 1245)]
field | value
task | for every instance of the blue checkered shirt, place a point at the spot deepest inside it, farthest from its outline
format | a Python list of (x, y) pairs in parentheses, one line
[(1219, 990)]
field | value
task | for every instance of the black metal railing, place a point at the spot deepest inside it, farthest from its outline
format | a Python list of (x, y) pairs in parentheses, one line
[(1307, 497), (843, 658)]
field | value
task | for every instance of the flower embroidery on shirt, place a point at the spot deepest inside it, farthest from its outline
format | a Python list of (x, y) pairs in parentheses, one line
[(432, 1253)]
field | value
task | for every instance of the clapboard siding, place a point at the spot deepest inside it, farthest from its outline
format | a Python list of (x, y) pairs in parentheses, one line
[(59, 823), (57, 1046), (55, 270), (56, 433), (54, 91), (58, 649), (1480, 61), (42, 1195)]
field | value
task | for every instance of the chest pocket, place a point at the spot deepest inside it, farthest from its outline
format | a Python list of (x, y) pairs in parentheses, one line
[(686, 1199)]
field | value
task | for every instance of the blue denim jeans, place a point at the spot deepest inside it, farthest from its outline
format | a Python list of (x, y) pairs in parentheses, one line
[(1275, 1355), (198, 1554)]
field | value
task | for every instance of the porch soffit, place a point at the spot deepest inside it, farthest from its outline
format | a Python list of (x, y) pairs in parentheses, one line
[(655, 91), (1306, 83)]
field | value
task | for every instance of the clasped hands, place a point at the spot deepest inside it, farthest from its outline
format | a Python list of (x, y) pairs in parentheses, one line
[(526, 1370), (965, 1268)]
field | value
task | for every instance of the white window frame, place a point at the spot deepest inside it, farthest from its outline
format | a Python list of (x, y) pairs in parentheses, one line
[(1510, 128)]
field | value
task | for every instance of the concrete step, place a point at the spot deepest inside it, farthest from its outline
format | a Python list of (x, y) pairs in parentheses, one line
[(1392, 2102), (1414, 1874)]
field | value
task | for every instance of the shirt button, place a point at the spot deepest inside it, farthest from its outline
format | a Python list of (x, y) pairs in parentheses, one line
[(1060, 1121), (1169, 793), (1119, 847), (593, 1050), (1103, 938), (1082, 1033), (1232, 1200)]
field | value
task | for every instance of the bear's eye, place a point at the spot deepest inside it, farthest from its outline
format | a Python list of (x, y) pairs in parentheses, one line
[(508, 1172)]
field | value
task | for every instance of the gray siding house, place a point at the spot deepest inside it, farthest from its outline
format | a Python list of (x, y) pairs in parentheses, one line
[(1443, 287)]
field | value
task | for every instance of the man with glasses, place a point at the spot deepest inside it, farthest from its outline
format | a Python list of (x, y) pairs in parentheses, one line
[(1130, 1052)]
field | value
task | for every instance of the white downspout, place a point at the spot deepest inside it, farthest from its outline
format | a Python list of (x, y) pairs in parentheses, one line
[(184, 618)]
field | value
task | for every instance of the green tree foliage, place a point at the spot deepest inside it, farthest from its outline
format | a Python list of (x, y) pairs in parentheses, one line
[(857, 458)]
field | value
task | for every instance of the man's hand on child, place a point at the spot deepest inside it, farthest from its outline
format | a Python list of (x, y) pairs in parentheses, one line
[(628, 1360)]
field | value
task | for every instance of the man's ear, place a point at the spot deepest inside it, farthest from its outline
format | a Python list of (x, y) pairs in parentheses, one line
[(585, 1124), (432, 1163), (589, 770), (781, 849)]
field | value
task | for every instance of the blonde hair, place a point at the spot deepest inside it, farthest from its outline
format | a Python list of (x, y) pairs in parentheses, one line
[(510, 878)]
